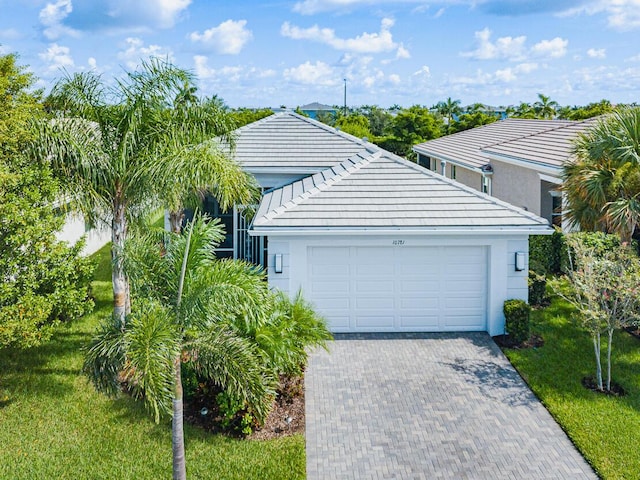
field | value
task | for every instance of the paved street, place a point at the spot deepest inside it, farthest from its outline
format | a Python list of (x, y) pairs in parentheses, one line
[(428, 406)]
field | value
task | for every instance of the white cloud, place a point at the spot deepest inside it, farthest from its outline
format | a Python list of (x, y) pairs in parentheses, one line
[(511, 48), (555, 48), (506, 75), (52, 17), (10, 34), (526, 67), (93, 64), (158, 13), (394, 79), (318, 73), (423, 72), (363, 43), (227, 38), (597, 52), (57, 57), (136, 51), (237, 73), (621, 14), (403, 52)]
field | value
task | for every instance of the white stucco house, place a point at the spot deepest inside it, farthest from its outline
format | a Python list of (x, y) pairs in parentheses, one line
[(377, 243)]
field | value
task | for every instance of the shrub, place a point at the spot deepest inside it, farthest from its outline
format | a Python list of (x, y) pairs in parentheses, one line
[(516, 313), (537, 288), (547, 253)]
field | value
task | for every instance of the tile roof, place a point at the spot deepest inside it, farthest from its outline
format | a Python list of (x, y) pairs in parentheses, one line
[(293, 142), (467, 147), (551, 148), (379, 191)]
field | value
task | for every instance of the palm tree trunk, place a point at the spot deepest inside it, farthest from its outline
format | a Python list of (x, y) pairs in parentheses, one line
[(177, 431), (121, 300)]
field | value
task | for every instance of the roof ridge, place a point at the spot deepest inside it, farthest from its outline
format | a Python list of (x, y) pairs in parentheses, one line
[(348, 167)]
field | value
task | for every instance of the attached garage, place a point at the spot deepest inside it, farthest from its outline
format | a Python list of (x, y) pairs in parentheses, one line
[(364, 289), (379, 244)]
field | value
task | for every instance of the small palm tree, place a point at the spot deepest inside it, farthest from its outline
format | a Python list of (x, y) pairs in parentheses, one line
[(449, 109), (545, 107), (123, 150), (188, 296), (602, 182)]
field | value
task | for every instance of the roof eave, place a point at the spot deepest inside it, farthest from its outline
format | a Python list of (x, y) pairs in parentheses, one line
[(520, 162), (460, 230)]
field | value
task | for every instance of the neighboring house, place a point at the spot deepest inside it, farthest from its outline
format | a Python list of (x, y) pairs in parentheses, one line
[(75, 227), (312, 109), (516, 160), (377, 243)]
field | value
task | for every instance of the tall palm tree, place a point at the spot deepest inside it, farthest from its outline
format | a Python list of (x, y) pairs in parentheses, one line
[(449, 108), (122, 149), (545, 107), (188, 296), (602, 183)]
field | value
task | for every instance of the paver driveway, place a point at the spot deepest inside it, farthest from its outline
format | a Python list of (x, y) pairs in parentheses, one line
[(428, 406)]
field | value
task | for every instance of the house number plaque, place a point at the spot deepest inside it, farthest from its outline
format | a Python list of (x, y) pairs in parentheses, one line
[(398, 242)]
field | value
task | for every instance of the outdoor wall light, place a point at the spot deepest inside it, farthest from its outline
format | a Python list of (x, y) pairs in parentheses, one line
[(277, 263), (521, 261)]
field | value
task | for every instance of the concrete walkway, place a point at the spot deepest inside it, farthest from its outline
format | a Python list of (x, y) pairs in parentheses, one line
[(428, 406)]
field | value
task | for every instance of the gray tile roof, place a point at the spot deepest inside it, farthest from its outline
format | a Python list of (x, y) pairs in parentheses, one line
[(293, 142), (380, 191), (466, 148), (551, 148)]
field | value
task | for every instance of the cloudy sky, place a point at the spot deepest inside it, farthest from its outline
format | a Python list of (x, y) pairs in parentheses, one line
[(281, 52)]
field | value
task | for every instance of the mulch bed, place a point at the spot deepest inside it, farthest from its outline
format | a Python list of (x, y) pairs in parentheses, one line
[(286, 417), (616, 389), (504, 341)]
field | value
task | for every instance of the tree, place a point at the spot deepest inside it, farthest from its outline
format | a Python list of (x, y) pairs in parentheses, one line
[(467, 121), (245, 116), (602, 182), (524, 110), (120, 149), (42, 280), (410, 127), (545, 107), (449, 109), (379, 119), (605, 291), (186, 295), (591, 110), (356, 125)]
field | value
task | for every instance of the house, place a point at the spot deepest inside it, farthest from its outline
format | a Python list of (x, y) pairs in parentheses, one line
[(313, 109), (516, 160), (75, 227), (377, 243)]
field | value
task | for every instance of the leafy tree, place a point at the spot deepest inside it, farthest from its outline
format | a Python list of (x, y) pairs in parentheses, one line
[(328, 118), (605, 291), (602, 182), (356, 125), (245, 116), (188, 295), (42, 280), (123, 148), (591, 110), (379, 119), (524, 110), (410, 127), (467, 121), (545, 107)]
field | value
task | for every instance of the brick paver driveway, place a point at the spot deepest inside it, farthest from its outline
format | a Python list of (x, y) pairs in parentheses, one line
[(428, 406)]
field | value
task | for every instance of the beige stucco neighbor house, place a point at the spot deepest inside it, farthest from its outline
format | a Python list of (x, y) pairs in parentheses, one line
[(516, 160)]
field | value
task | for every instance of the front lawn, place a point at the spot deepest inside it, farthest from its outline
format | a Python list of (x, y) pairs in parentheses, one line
[(605, 429), (53, 424)]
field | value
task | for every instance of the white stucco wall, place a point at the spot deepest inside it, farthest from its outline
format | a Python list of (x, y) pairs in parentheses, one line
[(503, 281), (74, 228)]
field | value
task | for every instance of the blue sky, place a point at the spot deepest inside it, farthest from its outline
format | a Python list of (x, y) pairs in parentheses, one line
[(405, 52)]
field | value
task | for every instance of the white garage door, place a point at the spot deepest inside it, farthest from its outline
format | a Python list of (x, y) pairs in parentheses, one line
[(378, 289)]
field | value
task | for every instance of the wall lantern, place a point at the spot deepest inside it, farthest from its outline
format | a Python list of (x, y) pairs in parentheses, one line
[(521, 261), (277, 263)]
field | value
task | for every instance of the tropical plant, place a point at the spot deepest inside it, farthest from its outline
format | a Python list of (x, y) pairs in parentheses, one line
[(449, 109), (188, 296), (605, 289), (602, 182), (545, 107), (123, 148), (409, 127), (356, 125)]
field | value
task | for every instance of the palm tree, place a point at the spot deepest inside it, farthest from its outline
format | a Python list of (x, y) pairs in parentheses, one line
[(545, 107), (602, 183), (121, 149), (188, 297), (449, 108)]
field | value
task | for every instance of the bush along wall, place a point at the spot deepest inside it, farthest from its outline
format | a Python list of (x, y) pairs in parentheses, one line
[(517, 313)]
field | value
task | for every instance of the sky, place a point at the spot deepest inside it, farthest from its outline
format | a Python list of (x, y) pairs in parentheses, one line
[(391, 52)]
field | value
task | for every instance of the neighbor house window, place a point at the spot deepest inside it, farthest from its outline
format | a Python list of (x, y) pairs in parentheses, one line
[(556, 209), (453, 172), (486, 185)]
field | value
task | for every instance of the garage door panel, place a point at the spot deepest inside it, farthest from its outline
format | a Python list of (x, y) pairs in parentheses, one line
[(364, 321), (399, 288)]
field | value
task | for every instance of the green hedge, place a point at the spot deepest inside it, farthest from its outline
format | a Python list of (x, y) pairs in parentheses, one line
[(516, 314)]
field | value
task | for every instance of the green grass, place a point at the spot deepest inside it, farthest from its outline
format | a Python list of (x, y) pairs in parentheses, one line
[(605, 429), (53, 424)]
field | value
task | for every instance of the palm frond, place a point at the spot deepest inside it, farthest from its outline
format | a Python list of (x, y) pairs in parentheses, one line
[(105, 357)]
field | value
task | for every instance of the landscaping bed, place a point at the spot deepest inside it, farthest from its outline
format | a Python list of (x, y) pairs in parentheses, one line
[(605, 428)]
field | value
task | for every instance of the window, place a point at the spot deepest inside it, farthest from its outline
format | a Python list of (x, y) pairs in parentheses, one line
[(486, 185), (556, 210), (453, 172)]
